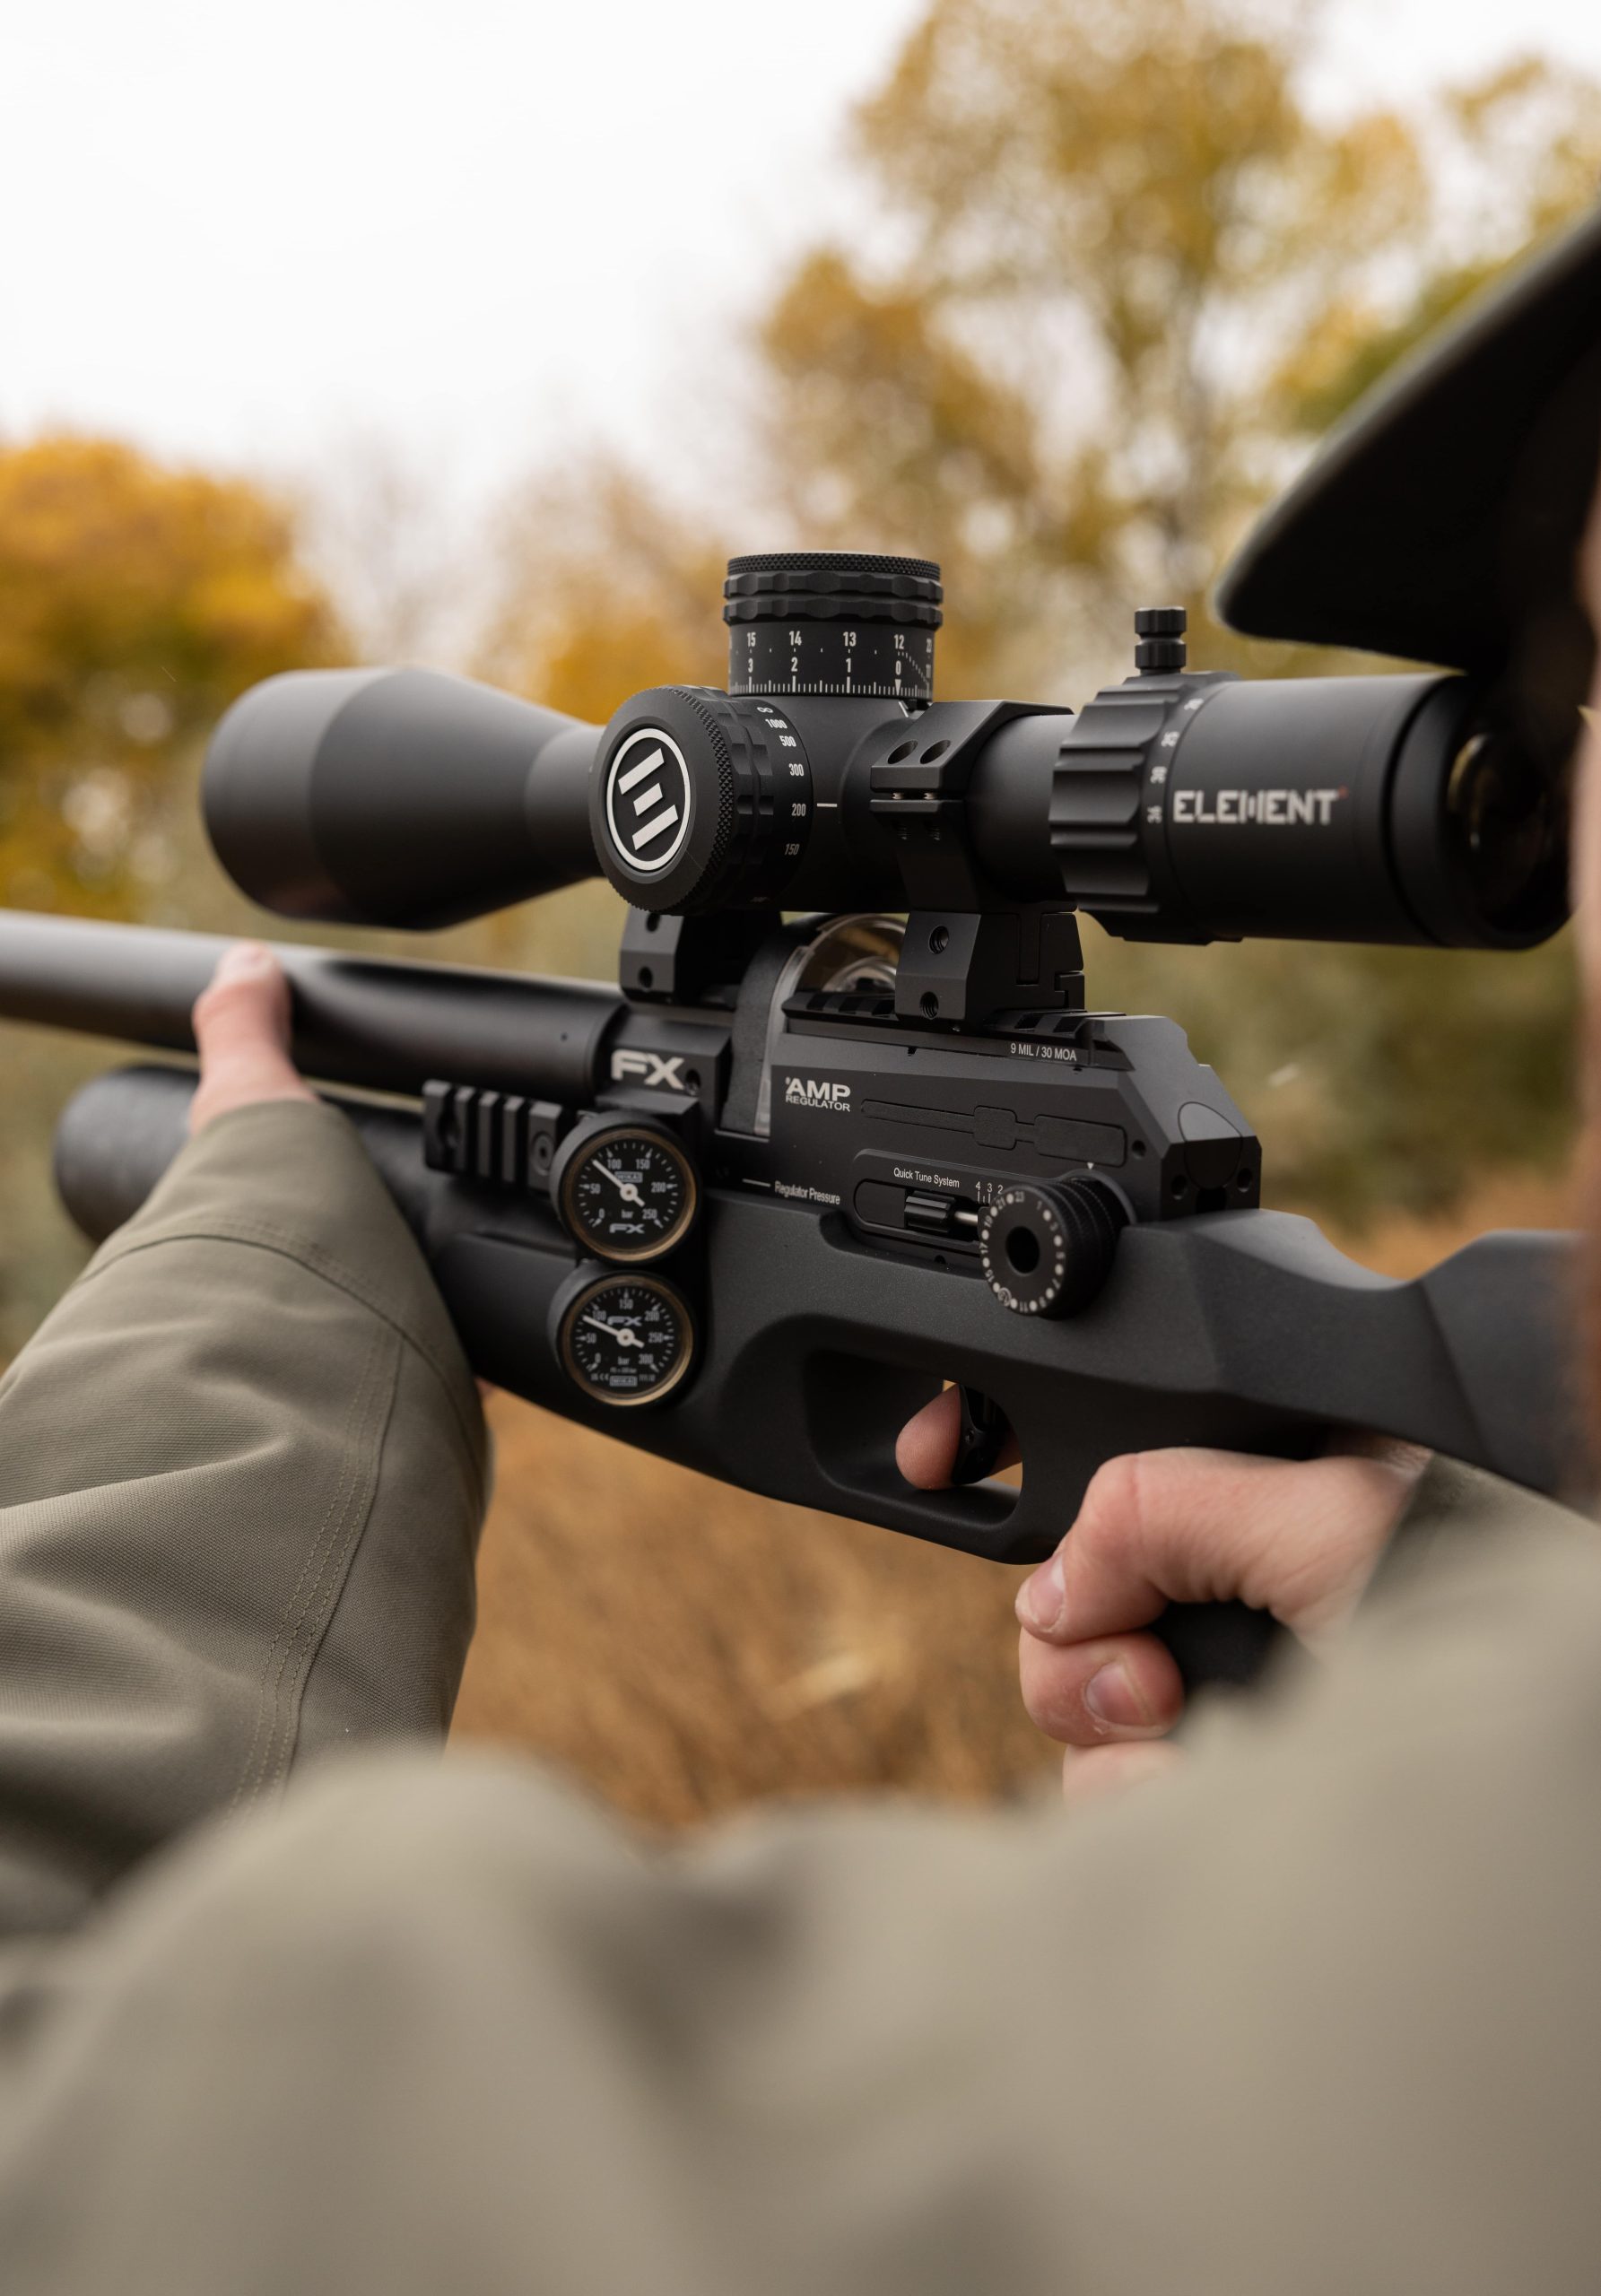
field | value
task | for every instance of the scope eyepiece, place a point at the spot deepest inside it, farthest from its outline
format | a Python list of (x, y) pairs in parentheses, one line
[(1405, 809), (1504, 846)]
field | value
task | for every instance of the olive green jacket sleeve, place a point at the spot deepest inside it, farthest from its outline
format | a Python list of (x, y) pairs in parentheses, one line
[(241, 1480)]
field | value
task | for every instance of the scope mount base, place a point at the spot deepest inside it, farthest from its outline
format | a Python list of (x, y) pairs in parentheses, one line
[(969, 953), (669, 958)]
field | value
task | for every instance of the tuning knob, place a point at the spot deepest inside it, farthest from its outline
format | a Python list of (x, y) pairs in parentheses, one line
[(1047, 1249)]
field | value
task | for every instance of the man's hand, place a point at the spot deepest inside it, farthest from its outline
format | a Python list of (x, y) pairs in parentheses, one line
[(1299, 1539), (241, 1030)]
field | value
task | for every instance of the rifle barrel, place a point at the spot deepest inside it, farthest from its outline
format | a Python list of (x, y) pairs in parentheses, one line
[(384, 1023)]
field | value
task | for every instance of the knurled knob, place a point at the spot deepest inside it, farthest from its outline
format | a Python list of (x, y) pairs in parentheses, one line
[(1047, 1248), (832, 624), (1159, 640), (832, 586), (699, 800)]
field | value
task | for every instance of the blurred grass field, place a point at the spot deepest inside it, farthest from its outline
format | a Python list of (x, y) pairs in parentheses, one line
[(681, 1650)]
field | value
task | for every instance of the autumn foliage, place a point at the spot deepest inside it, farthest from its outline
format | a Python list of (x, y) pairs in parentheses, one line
[(136, 602), (1111, 273)]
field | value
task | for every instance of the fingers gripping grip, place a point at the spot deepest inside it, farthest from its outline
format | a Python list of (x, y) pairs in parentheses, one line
[(1218, 1642), (1210, 1642)]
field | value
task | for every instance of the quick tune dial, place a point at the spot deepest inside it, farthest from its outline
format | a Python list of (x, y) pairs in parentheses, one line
[(1047, 1249)]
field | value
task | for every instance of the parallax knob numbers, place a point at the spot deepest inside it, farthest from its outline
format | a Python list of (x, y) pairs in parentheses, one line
[(1047, 1249)]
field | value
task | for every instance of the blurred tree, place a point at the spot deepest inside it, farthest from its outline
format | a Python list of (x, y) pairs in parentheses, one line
[(1121, 271), (136, 602), (1114, 273), (606, 589), (1528, 127), (1122, 274)]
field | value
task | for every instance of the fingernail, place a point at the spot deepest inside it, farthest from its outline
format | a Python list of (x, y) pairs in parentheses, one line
[(1040, 1600), (1112, 1698), (244, 958)]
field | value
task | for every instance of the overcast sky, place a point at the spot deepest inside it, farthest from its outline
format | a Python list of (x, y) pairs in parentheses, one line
[(242, 233)]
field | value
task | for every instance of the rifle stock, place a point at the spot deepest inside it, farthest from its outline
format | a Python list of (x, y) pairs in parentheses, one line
[(1243, 1328)]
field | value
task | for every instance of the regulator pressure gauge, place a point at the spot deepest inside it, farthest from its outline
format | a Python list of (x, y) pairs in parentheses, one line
[(626, 1340), (624, 1190)]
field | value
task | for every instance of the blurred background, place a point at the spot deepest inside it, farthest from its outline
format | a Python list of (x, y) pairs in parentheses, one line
[(357, 333)]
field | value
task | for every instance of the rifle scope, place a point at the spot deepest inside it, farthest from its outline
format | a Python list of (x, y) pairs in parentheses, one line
[(1176, 806)]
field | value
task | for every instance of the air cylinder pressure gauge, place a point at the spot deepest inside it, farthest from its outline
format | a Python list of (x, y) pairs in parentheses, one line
[(625, 1340), (624, 1190)]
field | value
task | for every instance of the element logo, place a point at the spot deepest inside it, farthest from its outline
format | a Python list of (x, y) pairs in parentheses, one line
[(648, 801), (812, 1092), (1273, 808)]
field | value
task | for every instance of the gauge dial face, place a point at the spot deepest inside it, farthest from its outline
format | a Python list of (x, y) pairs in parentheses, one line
[(629, 1193), (627, 1339)]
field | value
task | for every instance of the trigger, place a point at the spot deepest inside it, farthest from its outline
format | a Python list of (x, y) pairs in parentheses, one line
[(984, 1430)]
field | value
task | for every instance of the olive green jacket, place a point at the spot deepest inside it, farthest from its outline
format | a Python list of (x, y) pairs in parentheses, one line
[(1322, 2015)]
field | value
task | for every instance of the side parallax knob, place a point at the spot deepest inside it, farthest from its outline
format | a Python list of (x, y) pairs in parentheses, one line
[(1047, 1249), (698, 800)]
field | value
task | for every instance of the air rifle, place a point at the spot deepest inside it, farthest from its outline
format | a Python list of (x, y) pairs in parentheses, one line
[(848, 1127)]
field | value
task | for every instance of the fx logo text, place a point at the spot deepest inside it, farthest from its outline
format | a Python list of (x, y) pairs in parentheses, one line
[(665, 1072)]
